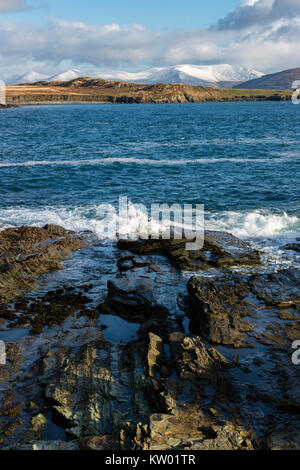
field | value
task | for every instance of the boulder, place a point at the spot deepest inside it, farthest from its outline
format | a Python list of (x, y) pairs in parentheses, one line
[(133, 299), (193, 360)]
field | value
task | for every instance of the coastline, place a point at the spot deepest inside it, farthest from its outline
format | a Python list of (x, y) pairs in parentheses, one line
[(85, 91), (17, 102)]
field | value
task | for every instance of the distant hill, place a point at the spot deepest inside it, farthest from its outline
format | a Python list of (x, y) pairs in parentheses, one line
[(91, 90), (274, 81)]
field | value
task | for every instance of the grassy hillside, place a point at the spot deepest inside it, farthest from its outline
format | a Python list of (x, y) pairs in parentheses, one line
[(275, 81), (101, 91)]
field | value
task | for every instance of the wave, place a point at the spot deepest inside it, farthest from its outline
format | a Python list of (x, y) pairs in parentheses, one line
[(104, 225), (138, 161), (255, 224)]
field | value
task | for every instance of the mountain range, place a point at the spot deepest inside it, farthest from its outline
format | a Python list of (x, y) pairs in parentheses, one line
[(216, 76)]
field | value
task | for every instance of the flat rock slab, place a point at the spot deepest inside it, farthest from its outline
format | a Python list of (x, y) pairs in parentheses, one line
[(220, 250), (218, 305), (28, 252), (281, 289)]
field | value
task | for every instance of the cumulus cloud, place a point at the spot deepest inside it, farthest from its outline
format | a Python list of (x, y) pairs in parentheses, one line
[(259, 12), (261, 34)]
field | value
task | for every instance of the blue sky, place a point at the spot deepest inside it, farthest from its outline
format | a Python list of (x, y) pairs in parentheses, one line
[(158, 14), (52, 36)]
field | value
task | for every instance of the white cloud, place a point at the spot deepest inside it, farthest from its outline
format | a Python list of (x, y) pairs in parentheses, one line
[(261, 34), (259, 12)]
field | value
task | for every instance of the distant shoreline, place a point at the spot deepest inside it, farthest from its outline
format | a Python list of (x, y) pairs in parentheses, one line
[(94, 91), (61, 103)]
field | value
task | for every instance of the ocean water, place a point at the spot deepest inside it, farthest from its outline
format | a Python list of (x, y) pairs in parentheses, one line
[(59, 164)]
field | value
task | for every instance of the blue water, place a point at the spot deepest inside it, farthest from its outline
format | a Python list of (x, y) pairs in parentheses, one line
[(59, 163)]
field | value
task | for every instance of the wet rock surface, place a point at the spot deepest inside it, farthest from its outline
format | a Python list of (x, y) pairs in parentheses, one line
[(220, 250), (50, 309), (281, 289), (209, 365), (218, 306), (28, 252), (133, 299)]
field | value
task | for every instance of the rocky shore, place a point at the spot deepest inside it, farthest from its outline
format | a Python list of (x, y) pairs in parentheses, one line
[(207, 366), (7, 106)]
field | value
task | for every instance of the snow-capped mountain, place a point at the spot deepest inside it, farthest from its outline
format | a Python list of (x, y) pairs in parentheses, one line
[(189, 74), (69, 75), (29, 77), (223, 75)]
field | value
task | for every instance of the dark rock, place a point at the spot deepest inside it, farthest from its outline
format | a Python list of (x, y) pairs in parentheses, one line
[(216, 308), (218, 305), (54, 308), (287, 438), (220, 250), (292, 247), (133, 299), (281, 289)]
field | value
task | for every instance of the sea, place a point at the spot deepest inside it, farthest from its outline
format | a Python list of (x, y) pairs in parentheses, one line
[(61, 164)]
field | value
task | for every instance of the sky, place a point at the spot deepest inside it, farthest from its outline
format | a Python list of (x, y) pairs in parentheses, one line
[(51, 36)]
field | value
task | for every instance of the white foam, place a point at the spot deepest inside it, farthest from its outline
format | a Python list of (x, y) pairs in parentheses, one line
[(256, 224), (81, 219), (247, 225), (266, 231), (138, 161)]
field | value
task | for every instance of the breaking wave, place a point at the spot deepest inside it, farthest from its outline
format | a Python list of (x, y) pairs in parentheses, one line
[(255, 224), (246, 225)]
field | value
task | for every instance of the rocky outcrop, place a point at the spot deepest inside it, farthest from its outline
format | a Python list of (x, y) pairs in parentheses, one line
[(28, 252), (217, 307), (133, 299), (168, 386), (192, 359), (7, 106), (292, 247), (138, 396), (180, 432), (85, 389), (220, 250), (90, 396)]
